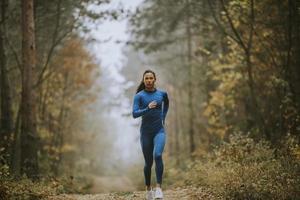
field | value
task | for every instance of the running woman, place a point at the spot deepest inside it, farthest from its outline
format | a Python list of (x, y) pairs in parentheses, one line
[(152, 105)]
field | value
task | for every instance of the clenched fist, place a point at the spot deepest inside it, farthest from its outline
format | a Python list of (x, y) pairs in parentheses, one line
[(152, 104)]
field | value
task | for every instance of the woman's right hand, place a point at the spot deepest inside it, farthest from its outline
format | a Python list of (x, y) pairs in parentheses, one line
[(152, 104)]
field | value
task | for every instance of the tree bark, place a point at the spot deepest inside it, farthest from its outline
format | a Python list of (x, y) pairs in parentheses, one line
[(6, 121), (292, 70), (16, 149), (190, 81), (29, 140), (177, 129)]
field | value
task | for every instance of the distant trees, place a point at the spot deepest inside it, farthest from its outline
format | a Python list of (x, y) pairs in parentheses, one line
[(46, 81), (262, 32), (169, 25), (237, 64), (62, 101)]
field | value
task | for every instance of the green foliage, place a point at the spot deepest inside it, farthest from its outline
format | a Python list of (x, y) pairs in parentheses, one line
[(246, 169)]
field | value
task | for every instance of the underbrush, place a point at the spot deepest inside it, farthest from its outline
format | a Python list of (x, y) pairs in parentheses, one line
[(246, 169), (23, 188)]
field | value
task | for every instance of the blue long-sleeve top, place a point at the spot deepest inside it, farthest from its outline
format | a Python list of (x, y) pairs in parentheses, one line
[(153, 119)]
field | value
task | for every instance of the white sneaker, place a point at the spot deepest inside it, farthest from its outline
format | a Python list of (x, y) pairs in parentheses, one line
[(158, 193), (149, 194)]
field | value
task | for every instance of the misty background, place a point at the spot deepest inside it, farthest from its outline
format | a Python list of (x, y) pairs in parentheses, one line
[(68, 74), (115, 150)]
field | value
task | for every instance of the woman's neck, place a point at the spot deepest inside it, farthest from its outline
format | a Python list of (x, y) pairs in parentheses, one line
[(150, 89)]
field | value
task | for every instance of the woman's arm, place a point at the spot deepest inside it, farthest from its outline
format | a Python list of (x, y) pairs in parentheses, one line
[(166, 106), (136, 111)]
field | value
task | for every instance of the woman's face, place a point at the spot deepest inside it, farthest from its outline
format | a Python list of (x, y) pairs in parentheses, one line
[(149, 80)]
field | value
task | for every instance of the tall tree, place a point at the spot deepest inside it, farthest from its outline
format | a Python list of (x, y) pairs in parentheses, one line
[(190, 77), (29, 140), (6, 116)]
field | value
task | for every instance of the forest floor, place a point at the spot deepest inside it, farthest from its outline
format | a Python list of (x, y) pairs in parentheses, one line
[(189, 193), (104, 188)]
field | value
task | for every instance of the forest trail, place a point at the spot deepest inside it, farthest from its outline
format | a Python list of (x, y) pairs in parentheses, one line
[(191, 193), (106, 184)]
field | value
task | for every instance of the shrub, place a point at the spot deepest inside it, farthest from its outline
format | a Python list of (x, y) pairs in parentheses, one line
[(245, 169), (23, 188)]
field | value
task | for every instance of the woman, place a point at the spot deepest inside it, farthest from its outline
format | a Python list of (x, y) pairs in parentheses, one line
[(152, 105)]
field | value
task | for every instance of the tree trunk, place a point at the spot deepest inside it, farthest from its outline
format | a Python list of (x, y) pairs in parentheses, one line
[(16, 149), (58, 138), (292, 62), (6, 122), (29, 140), (177, 129), (296, 17), (190, 81)]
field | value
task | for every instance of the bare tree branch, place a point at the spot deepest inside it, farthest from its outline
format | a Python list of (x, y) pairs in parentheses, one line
[(14, 52), (44, 77), (54, 42), (238, 37), (252, 19), (219, 23)]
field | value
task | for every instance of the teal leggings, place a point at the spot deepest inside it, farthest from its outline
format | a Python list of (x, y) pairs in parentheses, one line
[(153, 146)]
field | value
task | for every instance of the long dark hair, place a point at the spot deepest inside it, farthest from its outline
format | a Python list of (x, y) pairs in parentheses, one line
[(142, 84)]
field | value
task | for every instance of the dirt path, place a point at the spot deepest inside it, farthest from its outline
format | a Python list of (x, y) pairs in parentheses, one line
[(191, 193), (106, 184)]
